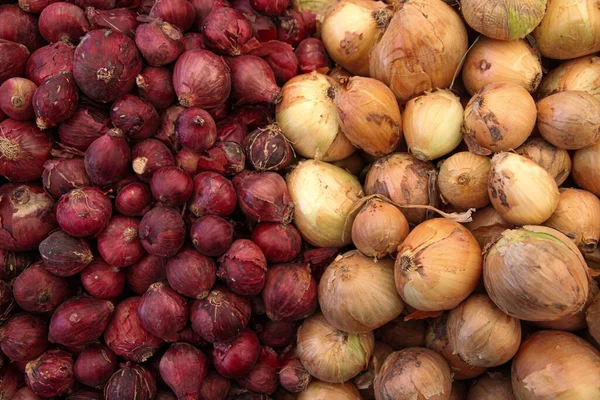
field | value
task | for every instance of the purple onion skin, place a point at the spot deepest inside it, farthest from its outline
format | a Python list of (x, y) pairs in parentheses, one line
[(9, 381), (193, 41), (136, 117), (293, 376), (7, 302), (211, 235), (145, 272), (225, 158), (159, 42), (235, 358), (243, 268), (277, 333), (131, 382), (214, 387), (172, 186), (51, 374), (87, 124), (213, 195), (162, 231), (163, 312), (62, 175), (290, 292), (55, 100), (95, 365), (24, 337), (191, 274), (253, 81), (229, 130), (155, 84), (48, 61), (37, 290), (312, 55), (269, 7), (179, 13), (19, 26), (108, 158), (134, 200), (63, 22), (183, 368), (279, 243), (263, 377), (226, 31), (13, 57), (84, 212), (149, 156), (291, 28), (16, 96), (120, 244), (86, 394), (267, 149), (196, 129), (119, 19), (103, 281), (65, 255), (264, 197)]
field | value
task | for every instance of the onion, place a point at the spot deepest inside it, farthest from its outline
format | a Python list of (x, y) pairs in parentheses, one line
[(268, 149), (61, 175), (95, 365), (280, 57), (585, 168), (63, 22), (149, 156), (269, 7), (290, 292), (87, 124), (16, 96), (277, 333), (159, 42), (163, 312), (293, 376), (263, 28), (13, 58), (65, 255), (263, 376), (48, 61), (214, 387), (119, 19), (103, 281), (554, 281), (196, 129), (399, 333), (226, 31), (346, 353), (235, 358), (183, 368), (491, 386), (25, 394), (191, 274), (318, 390), (554, 160), (193, 41), (7, 302), (243, 268), (119, 244), (179, 13), (290, 27), (311, 55), (23, 150), (433, 124), (162, 231), (264, 197), (24, 337), (51, 374), (134, 116), (148, 270), (172, 186), (579, 74), (225, 158), (213, 195), (134, 200), (19, 26), (132, 381), (577, 321), (37, 290), (9, 382), (107, 158), (463, 180), (365, 381), (487, 225), (278, 242), (252, 81), (12, 264), (591, 317), (83, 212), (211, 235), (155, 84), (231, 131), (187, 160)]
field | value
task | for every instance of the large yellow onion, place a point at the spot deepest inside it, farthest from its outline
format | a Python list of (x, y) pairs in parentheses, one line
[(357, 294), (365, 381), (400, 333), (569, 120), (570, 29), (318, 390), (463, 180), (323, 196), (369, 115), (432, 124), (438, 265), (499, 117), (536, 273), (414, 373), (577, 321), (350, 30), (520, 190), (555, 161), (308, 117), (491, 60), (487, 225), (580, 74), (421, 49), (586, 168), (492, 386), (556, 365), (332, 355)]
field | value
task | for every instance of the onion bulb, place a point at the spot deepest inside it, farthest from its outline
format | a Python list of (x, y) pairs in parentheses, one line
[(520, 190), (555, 161), (438, 265), (463, 180), (491, 60), (580, 74), (592, 316), (357, 294), (414, 55), (323, 196), (499, 117), (432, 124), (586, 168), (492, 386), (536, 273), (487, 225), (350, 30), (577, 321), (305, 97), (556, 365), (332, 355), (318, 390), (364, 382)]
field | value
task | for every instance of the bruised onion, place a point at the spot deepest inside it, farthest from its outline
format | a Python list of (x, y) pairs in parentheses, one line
[(119, 19), (24, 337), (159, 42), (225, 158), (311, 55), (213, 195), (226, 31), (243, 268), (48, 61), (234, 358), (183, 368), (134, 116), (252, 81), (83, 212), (278, 242), (63, 22), (172, 186), (162, 231), (51, 374), (61, 175), (134, 200), (214, 387), (554, 160), (132, 381), (37, 290), (267, 149), (280, 57), (290, 292), (148, 270), (163, 312), (191, 274), (103, 281), (149, 156), (487, 225), (95, 365), (16, 96), (463, 180), (318, 390), (211, 235), (196, 129), (107, 158), (119, 244), (579, 74), (262, 377), (179, 13), (155, 84), (585, 168), (79, 321), (65, 255), (13, 58), (264, 197)]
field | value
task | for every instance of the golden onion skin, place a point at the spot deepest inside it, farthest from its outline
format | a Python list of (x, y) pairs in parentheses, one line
[(592, 316), (579, 74), (492, 386), (463, 180), (586, 168), (555, 161), (577, 321), (318, 390)]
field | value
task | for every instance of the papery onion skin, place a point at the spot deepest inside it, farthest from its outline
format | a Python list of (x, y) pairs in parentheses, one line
[(84, 212), (64, 174), (586, 168), (134, 200), (579, 74), (16, 96), (24, 337), (379, 228), (226, 31), (136, 117), (211, 235), (318, 390), (234, 358), (213, 195), (64, 22), (311, 55), (264, 196), (293, 376), (148, 270), (278, 242), (575, 322), (7, 302), (487, 225), (263, 376), (14, 56), (463, 179), (159, 42), (103, 281), (214, 387), (252, 81), (149, 156), (20, 27), (280, 57), (155, 84), (191, 274), (119, 244), (107, 158), (492, 386), (163, 312), (226, 158), (290, 292), (267, 149), (243, 268), (365, 381), (180, 13), (132, 381), (51, 374), (554, 160), (48, 61), (87, 124), (183, 368), (162, 231), (95, 365), (38, 291), (120, 19)]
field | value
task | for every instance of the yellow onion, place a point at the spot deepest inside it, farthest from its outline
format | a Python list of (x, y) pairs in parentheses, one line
[(369, 115), (577, 321), (357, 294), (555, 161), (379, 228), (491, 60), (580, 74), (365, 381), (353, 164), (569, 120), (492, 386), (520, 190), (570, 29), (332, 355), (414, 373), (592, 316), (338, 72), (438, 265), (323, 197), (318, 390), (308, 117), (586, 168), (432, 124), (405, 180), (593, 259), (499, 117), (578, 217), (487, 225), (400, 333), (350, 30), (536, 273), (463, 180), (421, 49), (556, 365)]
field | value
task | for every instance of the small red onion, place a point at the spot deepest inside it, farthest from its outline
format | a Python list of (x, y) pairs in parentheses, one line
[(263, 377), (100, 4), (136, 117), (252, 117), (16, 96), (55, 100), (23, 150), (213, 195), (19, 26), (83, 212), (13, 57), (235, 358), (268, 149), (26, 394), (107, 159), (7, 301), (159, 42), (219, 112), (62, 175), (310, 23), (125, 335), (145, 272), (193, 41), (201, 10), (191, 274), (48, 61), (270, 7), (183, 368), (243, 268), (131, 382), (37, 290), (264, 197), (221, 316), (63, 22), (162, 231), (253, 81), (95, 365), (155, 84), (280, 57), (106, 64), (179, 13), (166, 131), (226, 31), (13, 263), (211, 235), (291, 28), (290, 292), (229, 130), (226, 158), (188, 335), (51, 374), (163, 312), (214, 387), (196, 129), (187, 160), (262, 27), (293, 376), (149, 156), (134, 200), (201, 79), (277, 333), (86, 125), (65, 255), (120, 243), (24, 337), (9, 382), (311, 55), (103, 281), (119, 19), (279, 243)]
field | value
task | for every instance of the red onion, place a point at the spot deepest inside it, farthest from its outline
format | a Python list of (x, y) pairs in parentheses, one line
[(86, 125), (280, 57), (163, 312), (226, 31), (65, 255), (179, 13), (83, 212), (226, 158), (120, 243), (26, 216), (16, 95), (120, 19), (159, 42), (107, 159), (62, 175), (48, 61), (24, 337), (13, 263), (293, 376), (310, 23), (103, 281), (290, 292), (243, 6), (229, 130), (136, 117), (278, 242), (191, 274), (219, 112), (55, 100), (311, 55), (63, 22), (165, 396), (23, 150), (155, 84), (214, 387), (262, 27), (183, 368), (196, 129), (79, 321), (252, 116), (95, 365), (100, 4), (51, 374), (13, 57), (291, 28), (166, 131), (235, 358), (193, 41), (9, 382), (149, 156), (319, 259), (131, 382), (202, 8), (126, 336), (243, 268), (263, 377), (264, 197), (134, 200), (253, 81), (187, 160), (144, 6), (131, 4), (268, 149), (26, 394), (201, 79), (2, 115), (19, 26), (37, 290), (105, 65), (270, 7), (145, 272), (221, 316), (277, 333), (7, 302), (162, 231), (213, 195), (211, 235)]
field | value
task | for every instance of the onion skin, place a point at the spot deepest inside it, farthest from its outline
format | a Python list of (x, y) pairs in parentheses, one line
[(16, 96), (14, 56), (235, 358), (252, 81), (196, 129), (159, 42), (21, 27), (291, 28), (48, 61), (267, 149), (155, 84), (280, 57), (226, 158), (293, 376), (183, 368), (135, 116), (65, 255), (148, 270), (366, 380), (591, 317), (51, 374), (179, 13), (131, 382), (149, 156), (24, 337), (12, 264), (211, 235), (63, 22), (103, 281), (7, 303), (555, 161), (278, 242), (263, 376), (575, 322), (213, 195), (264, 197), (226, 30), (318, 390), (95, 365), (37, 290), (84, 212), (120, 19), (107, 159), (120, 244), (61, 175), (276, 333), (491, 386), (243, 268), (87, 124), (579, 74), (162, 231), (311, 55), (191, 274), (290, 292), (25, 394), (463, 180), (172, 186), (586, 168), (214, 387), (487, 225), (134, 200), (163, 312)]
